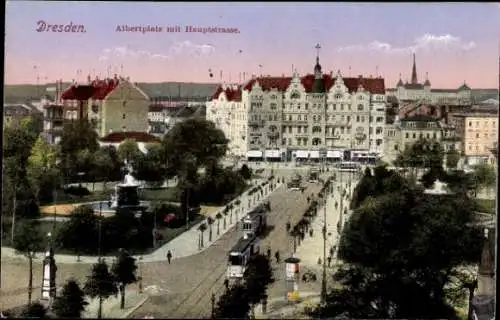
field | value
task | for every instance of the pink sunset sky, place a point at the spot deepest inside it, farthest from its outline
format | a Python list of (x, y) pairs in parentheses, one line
[(453, 42)]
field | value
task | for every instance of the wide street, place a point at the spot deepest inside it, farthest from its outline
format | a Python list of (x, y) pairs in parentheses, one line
[(184, 288)]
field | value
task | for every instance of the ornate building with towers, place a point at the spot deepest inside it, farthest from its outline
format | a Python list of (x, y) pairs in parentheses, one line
[(424, 93), (314, 116)]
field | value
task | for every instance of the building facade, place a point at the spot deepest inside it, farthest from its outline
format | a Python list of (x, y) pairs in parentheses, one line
[(314, 116), (479, 132), (111, 105), (423, 92), (404, 132)]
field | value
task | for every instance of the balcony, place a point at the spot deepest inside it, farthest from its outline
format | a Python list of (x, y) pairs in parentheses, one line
[(273, 135), (360, 136)]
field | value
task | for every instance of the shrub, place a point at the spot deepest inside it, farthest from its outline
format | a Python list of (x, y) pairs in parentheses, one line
[(78, 191)]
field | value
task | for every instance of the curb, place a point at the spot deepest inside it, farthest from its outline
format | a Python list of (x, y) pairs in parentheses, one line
[(134, 309)]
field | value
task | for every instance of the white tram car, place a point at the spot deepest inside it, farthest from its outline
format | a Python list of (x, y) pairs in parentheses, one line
[(248, 245)]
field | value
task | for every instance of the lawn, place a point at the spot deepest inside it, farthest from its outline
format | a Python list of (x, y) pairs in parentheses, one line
[(486, 205)]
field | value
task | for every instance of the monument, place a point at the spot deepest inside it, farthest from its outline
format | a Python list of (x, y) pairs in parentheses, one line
[(127, 194), (439, 188), (49, 277)]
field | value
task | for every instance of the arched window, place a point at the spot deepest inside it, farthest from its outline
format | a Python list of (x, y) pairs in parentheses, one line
[(316, 129), (360, 107), (316, 141), (295, 95), (338, 96)]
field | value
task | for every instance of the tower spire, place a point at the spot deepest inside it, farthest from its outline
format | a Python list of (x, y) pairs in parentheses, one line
[(317, 67), (414, 79)]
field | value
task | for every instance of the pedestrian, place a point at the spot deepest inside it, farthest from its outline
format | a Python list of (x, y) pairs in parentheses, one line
[(277, 256), (169, 256), (329, 261), (288, 226), (226, 283), (269, 253)]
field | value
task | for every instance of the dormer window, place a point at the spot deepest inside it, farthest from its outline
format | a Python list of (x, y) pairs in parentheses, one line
[(338, 96), (295, 95)]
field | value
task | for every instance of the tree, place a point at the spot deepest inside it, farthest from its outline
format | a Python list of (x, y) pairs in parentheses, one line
[(43, 173), (245, 172), (218, 217), (151, 166), (210, 222), (102, 165), (197, 138), (423, 153), (76, 137), (258, 275), (233, 304), (28, 241), (202, 229), (484, 176), (35, 310), (80, 232), (394, 267), (70, 303), (124, 270), (100, 284), (128, 151), (452, 159)]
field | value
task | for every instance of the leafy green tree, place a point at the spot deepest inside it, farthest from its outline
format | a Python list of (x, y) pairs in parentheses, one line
[(100, 284), (43, 172), (70, 303), (77, 136), (484, 175), (423, 153), (245, 172), (258, 275), (102, 166), (129, 150), (35, 310), (394, 269), (124, 270), (233, 304), (151, 166), (452, 159), (28, 241), (80, 232)]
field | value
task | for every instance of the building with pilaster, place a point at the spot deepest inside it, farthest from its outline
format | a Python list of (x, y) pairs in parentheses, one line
[(316, 116)]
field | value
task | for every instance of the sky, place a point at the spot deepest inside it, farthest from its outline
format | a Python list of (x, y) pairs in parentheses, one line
[(453, 42)]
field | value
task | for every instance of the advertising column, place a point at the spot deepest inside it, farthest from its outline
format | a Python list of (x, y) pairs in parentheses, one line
[(292, 279)]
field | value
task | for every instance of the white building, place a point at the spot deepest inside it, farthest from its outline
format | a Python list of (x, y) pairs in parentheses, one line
[(316, 116), (415, 91)]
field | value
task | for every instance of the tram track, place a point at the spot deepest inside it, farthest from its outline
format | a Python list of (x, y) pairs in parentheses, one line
[(196, 303)]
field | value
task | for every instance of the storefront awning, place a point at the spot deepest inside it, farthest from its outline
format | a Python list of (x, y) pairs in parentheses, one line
[(273, 154), (301, 154), (254, 154), (334, 154), (314, 154)]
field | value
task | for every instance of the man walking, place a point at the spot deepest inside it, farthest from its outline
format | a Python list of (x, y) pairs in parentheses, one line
[(277, 256), (169, 256)]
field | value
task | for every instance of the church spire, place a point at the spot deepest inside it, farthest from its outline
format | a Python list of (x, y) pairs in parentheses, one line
[(317, 67), (414, 79)]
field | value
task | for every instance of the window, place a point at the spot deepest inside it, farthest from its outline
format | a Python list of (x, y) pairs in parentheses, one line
[(316, 129), (289, 118), (357, 118), (379, 142), (348, 118), (124, 116), (299, 117), (396, 147), (338, 96), (360, 107), (295, 95), (342, 107), (414, 136), (305, 117), (379, 130), (314, 118), (273, 106), (319, 118)]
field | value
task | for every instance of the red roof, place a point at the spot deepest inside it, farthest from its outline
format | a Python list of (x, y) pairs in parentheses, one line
[(373, 85), (231, 94), (97, 90), (117, 137)]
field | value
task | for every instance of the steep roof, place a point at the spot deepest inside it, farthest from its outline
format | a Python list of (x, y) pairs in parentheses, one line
[(373, 85), (420, 118), (117, 137), (97, 89)]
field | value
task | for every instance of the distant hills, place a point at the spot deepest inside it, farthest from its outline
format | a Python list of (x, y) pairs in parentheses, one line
[(175, 90)]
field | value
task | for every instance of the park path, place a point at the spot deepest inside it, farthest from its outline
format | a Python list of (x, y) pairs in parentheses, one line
[(185, 244)]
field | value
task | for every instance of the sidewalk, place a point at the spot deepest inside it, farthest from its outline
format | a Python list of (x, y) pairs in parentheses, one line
[(111, 306), (278, 308), (312, 247), (186, 244)]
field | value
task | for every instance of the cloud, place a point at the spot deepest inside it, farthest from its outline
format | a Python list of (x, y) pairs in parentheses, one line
[(426, 42), (183, 48), (191, 49), (109, 53)]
